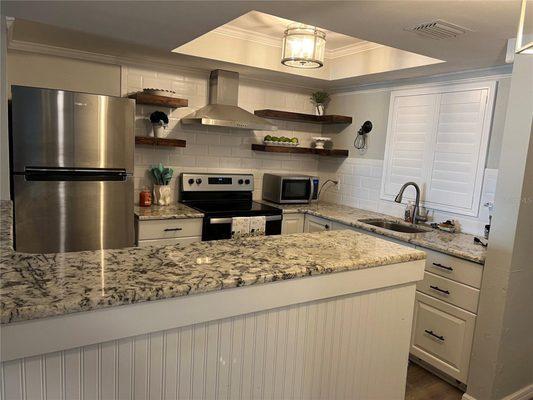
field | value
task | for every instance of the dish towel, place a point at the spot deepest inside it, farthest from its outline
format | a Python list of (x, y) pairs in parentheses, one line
[(257, 226), (240, 227)]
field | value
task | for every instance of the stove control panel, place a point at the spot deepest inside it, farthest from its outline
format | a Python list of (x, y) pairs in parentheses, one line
[(198, 182)]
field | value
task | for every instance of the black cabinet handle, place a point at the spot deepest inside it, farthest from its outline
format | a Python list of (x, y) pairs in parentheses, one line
[(443, 266), (434, 335), (439, 289), (326, 226), (173, 229)]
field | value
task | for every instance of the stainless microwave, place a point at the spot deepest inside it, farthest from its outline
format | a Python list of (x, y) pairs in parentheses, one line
[(282, 188)]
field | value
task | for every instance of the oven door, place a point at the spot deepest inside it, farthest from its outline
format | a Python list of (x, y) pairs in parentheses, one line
[(296, 190), (215, 228)]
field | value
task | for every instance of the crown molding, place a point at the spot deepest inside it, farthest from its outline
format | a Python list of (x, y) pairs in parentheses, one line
[(38, 48), (248, 35), (482, 74), (273, 41)]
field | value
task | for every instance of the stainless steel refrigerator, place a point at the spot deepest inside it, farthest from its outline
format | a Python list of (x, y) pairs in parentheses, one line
[(71, 170)]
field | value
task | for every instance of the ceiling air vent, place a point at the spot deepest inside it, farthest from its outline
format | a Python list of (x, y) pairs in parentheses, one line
[(438, 30)]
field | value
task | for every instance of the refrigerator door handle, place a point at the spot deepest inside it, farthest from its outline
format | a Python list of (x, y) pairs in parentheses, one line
[(74, 174)]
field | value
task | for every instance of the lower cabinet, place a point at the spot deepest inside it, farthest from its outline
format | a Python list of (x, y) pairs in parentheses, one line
[(292, 223), (445, 313), (442, 335), (168, 231), (316, 224), (446, 301)]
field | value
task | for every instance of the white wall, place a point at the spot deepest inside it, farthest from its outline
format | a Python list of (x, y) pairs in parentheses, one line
[(502, 357), (214, 149), (30, 69)]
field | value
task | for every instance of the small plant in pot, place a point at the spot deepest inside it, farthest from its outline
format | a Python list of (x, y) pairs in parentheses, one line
[(159, 122), (162, 177), (320, 100)]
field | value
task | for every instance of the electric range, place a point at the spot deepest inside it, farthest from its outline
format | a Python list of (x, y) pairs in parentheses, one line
[(220, 197)]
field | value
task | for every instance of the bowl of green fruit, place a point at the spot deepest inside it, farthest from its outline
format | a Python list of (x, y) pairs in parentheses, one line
[(280, 141)]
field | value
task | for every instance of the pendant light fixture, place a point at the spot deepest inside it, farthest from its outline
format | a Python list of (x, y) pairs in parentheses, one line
[(303, 47), (523, 45)]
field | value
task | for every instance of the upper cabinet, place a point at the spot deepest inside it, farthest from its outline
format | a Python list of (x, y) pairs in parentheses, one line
[(438, 137)]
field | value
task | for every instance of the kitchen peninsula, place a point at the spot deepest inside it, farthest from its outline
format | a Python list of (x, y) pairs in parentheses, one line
[(234, 318)]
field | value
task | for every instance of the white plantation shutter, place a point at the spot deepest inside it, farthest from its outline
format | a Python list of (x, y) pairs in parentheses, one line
[(438, 137), (410, 142)]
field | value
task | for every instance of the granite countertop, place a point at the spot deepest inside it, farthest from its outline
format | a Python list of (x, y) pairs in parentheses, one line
[(173, 211), (456, 244), (42, 285)]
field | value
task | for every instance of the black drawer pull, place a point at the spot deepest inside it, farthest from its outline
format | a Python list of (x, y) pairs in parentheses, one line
[(326, 226), (173, 229), (434, 335), (443, 266), (439, 289)]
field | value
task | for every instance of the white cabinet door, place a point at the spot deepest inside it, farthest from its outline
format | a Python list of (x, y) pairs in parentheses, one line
[(316, 224), (442, 335), (292, 223)]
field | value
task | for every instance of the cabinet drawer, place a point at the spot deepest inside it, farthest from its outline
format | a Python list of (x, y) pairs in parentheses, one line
[(449, 291), (454, 268), (169, 228), (169, 242), (442, 336)]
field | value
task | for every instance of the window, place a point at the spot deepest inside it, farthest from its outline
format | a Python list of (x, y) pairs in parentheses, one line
[(438, 137)]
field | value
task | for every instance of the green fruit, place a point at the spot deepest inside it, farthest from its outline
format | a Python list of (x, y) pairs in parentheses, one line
[(294, 140), (275, 139), (268, 138)]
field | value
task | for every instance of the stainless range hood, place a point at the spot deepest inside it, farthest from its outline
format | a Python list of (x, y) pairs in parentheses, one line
[(222, 109)]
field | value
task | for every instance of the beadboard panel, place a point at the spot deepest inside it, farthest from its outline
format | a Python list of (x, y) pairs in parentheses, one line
[(353, 346)]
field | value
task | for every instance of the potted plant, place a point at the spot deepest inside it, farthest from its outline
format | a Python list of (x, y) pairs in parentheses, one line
[(159, 122), (320, 100), (162, 177)]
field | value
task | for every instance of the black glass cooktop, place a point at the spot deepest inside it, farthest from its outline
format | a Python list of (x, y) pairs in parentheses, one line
[(235, 208)]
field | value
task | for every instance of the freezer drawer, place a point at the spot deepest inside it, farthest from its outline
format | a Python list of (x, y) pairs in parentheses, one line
[(73, 215), (57, 128)]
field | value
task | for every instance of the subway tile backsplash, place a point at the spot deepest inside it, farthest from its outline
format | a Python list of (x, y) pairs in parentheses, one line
[(215, 149)]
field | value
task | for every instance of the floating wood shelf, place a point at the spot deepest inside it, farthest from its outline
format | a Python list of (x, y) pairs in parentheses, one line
[(154, 100), (300, 150), (314, 119), (160, 141)]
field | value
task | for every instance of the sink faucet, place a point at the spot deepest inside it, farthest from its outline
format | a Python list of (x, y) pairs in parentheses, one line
[(416, 208)]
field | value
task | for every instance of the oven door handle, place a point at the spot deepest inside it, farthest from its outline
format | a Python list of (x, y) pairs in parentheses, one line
[(218, 221)]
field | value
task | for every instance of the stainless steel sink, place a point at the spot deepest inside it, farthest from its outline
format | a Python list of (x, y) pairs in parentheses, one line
[(394, 226)]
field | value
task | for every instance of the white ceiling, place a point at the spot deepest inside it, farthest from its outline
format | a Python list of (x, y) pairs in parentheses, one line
[(163, 26)]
